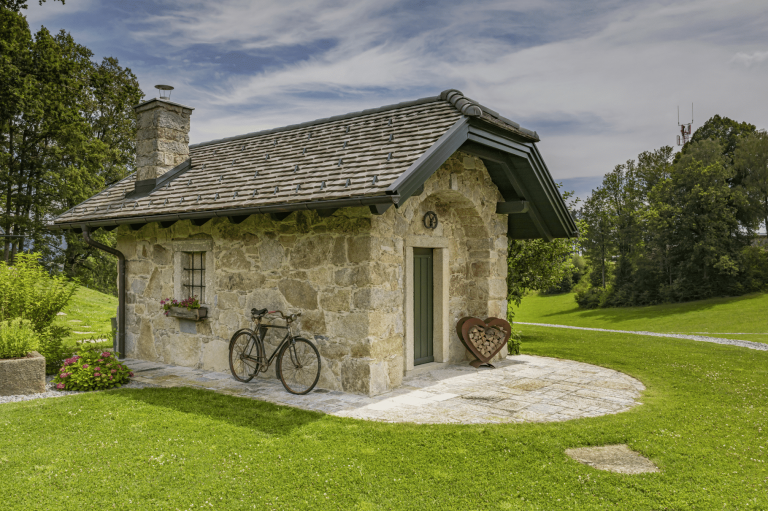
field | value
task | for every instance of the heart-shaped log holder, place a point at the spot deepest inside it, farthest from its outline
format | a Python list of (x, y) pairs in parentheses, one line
[(484, 339)]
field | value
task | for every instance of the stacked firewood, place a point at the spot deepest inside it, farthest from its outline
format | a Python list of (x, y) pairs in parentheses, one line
[(487, 339)]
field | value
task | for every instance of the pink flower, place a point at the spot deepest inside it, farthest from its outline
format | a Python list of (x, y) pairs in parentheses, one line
[(97, 374), (97, 368), (64, 375), (110, 377), (113, 371), (106, 354), (59, 385), (130, 374), (85, 366)]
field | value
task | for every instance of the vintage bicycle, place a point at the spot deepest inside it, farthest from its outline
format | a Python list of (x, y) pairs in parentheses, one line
[(298, 361)]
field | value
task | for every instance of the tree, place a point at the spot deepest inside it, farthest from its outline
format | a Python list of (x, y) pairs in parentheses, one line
[(18, 5), (66, 131), (724, 130), (693, 217), (596, 236), (751, 160), (535, 265)]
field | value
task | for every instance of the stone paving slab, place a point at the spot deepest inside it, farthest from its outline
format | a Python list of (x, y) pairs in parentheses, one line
[(522, 388)]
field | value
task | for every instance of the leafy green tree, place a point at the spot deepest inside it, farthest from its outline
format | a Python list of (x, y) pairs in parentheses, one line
[(654, 167), (18, 5), (596, 236), (693, 217), (722, 129), (751, 160), (66, 131), (534, 265)]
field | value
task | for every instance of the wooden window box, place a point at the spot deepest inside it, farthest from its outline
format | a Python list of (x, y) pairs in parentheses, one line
[(184, 313)]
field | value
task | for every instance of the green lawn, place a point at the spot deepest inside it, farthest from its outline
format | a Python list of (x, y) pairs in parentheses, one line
[(742, 314), (89, 313), (704, 422)]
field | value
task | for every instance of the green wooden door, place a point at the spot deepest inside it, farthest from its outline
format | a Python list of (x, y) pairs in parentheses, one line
[(422, 306)]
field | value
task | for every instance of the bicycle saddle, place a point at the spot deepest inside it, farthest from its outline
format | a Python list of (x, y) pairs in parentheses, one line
[(258, 312)]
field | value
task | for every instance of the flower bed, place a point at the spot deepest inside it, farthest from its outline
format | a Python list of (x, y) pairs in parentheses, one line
[(92, 370)]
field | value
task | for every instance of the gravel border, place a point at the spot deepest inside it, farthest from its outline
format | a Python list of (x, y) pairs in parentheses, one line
[(716, 340), (52, 392)]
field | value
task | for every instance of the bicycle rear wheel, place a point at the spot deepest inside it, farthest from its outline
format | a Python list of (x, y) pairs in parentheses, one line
[(244, 355), (298, 366)]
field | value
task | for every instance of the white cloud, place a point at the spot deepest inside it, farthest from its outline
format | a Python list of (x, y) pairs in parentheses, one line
[(750, 59), (600, 81)]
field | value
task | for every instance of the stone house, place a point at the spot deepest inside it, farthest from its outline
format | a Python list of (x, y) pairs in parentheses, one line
[(383, 227)]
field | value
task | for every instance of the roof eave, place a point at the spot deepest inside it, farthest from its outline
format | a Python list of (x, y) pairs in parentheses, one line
[(232, 212)]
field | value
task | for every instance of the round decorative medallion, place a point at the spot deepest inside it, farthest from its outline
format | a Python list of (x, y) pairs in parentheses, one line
[(430, 220)]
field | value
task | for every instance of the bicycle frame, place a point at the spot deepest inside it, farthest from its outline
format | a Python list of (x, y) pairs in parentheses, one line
[(262, 362)]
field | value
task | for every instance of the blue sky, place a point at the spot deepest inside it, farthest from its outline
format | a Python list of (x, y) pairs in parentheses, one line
[(599, 80)]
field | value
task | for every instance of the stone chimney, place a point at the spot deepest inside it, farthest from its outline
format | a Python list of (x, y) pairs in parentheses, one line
[(162, 139)]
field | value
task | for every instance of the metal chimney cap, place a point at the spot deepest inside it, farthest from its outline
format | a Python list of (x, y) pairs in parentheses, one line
[(165, 91)]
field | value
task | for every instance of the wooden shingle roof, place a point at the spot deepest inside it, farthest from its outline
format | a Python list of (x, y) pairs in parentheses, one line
[(376, 157)]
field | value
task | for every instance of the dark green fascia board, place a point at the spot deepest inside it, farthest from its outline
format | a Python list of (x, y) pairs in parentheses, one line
[(534, 182), (518, 182), (417, 174), (201, 217), (468, 129), (514, 207)]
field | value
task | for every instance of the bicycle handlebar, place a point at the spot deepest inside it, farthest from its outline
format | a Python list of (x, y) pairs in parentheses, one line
[(263, 312)]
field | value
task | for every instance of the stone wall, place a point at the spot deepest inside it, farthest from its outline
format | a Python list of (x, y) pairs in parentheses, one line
[(346, 273), (464, 198)]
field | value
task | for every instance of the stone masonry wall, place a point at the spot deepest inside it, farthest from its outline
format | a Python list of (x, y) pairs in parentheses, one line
[(464, 198), (344, 272)]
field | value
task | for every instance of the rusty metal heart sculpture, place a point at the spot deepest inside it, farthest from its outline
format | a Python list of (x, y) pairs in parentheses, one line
[(484, 339)]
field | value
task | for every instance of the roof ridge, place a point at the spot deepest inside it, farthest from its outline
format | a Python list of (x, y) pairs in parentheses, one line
[(404, 104), (455, 97)]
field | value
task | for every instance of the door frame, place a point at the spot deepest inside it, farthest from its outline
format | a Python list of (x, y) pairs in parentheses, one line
[(440, 283)]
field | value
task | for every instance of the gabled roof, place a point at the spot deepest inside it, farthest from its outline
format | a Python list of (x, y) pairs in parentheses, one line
[(377, 157)]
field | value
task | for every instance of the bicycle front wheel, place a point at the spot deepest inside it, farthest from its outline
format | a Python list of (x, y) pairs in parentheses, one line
[(298, 366), (244, 355)]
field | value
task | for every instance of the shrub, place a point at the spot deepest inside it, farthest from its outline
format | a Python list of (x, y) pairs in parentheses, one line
[(27, 291), (17, 338), (591, 298), (52, 348), (92, 370), (513, 344)]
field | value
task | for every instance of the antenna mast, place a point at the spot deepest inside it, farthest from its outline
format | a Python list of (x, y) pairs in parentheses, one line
[(685, 128)]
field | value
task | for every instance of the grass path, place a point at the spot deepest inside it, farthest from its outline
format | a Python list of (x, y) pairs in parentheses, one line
[(704, 422), (701, 338), (744, 317), (89, 313)]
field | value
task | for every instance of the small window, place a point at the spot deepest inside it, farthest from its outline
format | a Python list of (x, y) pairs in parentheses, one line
[(193, 283)]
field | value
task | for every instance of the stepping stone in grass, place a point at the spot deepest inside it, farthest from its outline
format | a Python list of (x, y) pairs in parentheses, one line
[(61, 313), (613, 458), (92, 340)]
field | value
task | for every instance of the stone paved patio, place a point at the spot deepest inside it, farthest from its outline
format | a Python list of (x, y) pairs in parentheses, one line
[(522, 388)]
